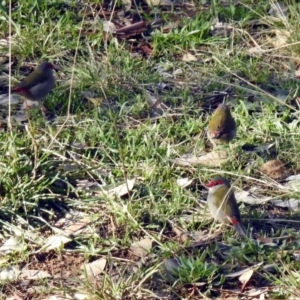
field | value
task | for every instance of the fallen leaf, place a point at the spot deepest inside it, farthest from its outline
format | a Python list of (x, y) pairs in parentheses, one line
[(9, 273), (275, 169), (293, 181), (121, 190), (94, 268), (34, 274), (12, 244), (184, 182), (241, 272), (279, 38), (141, 248), (183, 236), (244, 278), (214, 159), (188, 57), (249, 198), (75, 228), (55, 242), (291, 204), (265, 240), (256, 292)]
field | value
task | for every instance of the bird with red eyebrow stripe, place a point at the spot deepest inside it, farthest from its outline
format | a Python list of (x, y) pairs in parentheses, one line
[(37, 84), (221, 127), (222, 204)]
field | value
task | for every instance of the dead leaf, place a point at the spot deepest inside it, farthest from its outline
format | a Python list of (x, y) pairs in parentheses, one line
[(121, 190), (244, 278), (293, 181), (75, 228), (9, 273), (241, 272), (280, 38), (94, 268), (249, 198), (256, 292), (265, 240), (291, 204), (188, 57), (141, 248), (214, 159), (184, 182), (12, 244), (183, 236), (55, 242), (275, 169), (34, 274)]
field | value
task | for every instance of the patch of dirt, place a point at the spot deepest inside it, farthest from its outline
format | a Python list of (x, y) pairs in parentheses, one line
[(57, 265), (63, 267)]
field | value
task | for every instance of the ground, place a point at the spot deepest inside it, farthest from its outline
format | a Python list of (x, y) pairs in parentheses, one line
[(103, 196)]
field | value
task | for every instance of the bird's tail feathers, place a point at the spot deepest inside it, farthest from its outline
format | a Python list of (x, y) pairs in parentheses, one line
[(239, 227)]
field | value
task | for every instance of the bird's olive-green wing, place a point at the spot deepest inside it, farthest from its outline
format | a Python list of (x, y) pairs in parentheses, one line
[(32, 79)]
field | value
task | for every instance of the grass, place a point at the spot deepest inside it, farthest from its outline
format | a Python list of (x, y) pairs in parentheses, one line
[(56, 172)]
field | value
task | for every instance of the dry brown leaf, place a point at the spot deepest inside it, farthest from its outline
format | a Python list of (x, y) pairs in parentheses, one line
[(189, 57), (74, 228), (280, 38), (265, 240), (213, 159), (141, 248), (94, 268), (241, 272), (275, 169), (244, 278), (34, 274), (120, 190), (183, 237)]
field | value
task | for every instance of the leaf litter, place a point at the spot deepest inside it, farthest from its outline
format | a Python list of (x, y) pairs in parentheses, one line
[(135, 30)]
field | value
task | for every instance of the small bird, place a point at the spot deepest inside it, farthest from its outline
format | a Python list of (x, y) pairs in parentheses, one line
[(222, 204), (222, 126), (37, 84)]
